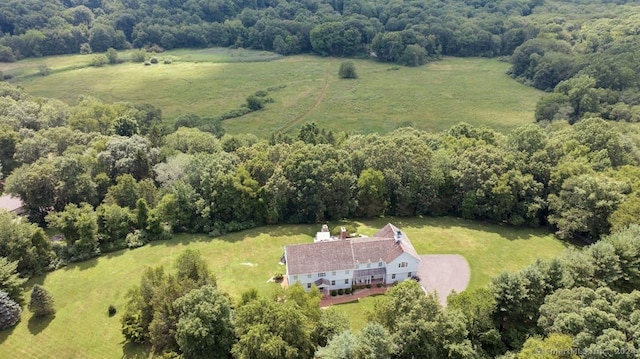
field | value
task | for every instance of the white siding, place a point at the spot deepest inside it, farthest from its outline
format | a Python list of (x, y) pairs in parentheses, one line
[(339, 278), (402, 273)]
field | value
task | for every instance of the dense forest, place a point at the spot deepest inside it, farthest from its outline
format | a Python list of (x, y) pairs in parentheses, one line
[(109, 176), (583, 52)]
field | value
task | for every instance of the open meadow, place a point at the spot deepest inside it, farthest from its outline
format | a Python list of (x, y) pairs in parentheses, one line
[(305, 88), (240, 261)]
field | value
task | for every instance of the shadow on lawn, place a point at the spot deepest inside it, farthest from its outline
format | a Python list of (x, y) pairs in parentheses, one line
[(504, 230), (135, 351), (4, 334), (38, 324)]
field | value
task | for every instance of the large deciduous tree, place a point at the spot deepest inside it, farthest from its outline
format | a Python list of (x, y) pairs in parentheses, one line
[(584, 205), (79, 225), (205, 329)]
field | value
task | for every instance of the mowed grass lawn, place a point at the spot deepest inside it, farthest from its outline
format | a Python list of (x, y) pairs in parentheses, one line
[(244, 260), (305, 88)]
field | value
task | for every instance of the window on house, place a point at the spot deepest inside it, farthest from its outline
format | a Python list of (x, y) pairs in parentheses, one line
[(308, 275), (333, 282), (379, 264), (393, 276), (403, 264), (295, 277), (333, 274), (409, 274), (368, 265), (322, 274), (308, 285), (346, 281), (346, 272)]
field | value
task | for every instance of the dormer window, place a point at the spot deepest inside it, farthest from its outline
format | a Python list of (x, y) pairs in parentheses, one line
[(368, 265), (403, 264), (379, 264)]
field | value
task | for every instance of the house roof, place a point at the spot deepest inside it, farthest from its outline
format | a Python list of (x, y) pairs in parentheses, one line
[(10, 203), (344, 254), (318, 257)]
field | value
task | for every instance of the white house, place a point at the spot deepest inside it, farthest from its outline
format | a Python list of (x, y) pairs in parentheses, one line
[(386, 257)]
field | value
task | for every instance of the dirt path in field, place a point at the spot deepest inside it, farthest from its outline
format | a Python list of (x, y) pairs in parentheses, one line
[(443, 273), (323, 92)]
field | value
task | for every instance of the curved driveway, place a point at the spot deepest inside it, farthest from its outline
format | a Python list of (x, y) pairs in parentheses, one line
[(443, 273)]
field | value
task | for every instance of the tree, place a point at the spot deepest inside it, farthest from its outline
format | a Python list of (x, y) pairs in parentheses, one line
[(341, 346), (10, 281), (205, 329), (129, 155), (124, 126), (255, 103), (372, 193), (191, 266), (584, 205), (373, 341), (142, 214), (555, 346), (332, 322), (41, 303), (10, 311), (79, 225), (477, 307), (25, 243), (114, 223), (112, 55), (413, 55), (347, 70)]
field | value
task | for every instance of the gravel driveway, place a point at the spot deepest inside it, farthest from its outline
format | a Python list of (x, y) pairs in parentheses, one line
[(443, 273)]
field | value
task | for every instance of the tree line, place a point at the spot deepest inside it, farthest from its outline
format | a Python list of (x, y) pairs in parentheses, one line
[(105, 188), (395, 31)]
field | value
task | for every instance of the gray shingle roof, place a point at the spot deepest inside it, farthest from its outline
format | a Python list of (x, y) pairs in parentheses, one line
[(344, 254)]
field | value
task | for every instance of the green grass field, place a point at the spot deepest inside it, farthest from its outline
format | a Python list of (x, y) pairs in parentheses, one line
[(84, 291), (211, 82)]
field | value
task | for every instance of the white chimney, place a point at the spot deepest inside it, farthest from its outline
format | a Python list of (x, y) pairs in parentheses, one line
[(343, 233), (398, 237)]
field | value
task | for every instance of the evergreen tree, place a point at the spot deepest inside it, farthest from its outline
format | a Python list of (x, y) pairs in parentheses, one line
[(41, 303), (9, 311)]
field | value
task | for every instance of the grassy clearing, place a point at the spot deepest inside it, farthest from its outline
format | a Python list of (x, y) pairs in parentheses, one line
[(84, 291), (210, 82)]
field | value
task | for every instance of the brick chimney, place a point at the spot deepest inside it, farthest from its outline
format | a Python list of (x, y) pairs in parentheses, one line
[(343, 233)]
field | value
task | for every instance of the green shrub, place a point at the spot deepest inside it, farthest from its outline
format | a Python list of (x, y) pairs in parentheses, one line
[(348, 291), (368, 286), (277, 276), (347, 70), (334, 293), (112, 55), (153, 60), (139, 56), (340, 291), (44, 70), (112, 310), (255, 103), (99, 60), (379, 285)]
